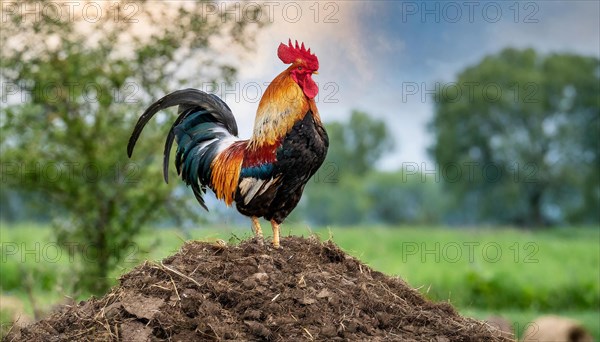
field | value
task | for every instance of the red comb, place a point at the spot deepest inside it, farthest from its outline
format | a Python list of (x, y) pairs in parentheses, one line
[(289, 54)]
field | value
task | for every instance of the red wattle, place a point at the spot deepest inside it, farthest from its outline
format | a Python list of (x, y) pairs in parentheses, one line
[(309, 87)]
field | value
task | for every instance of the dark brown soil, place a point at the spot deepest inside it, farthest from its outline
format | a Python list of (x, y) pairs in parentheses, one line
[(307, 290)]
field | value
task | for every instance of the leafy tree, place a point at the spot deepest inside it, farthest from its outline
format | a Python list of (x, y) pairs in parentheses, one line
[(518, 136), (74, 80), (403, 197), (342, 203), (357, 145)]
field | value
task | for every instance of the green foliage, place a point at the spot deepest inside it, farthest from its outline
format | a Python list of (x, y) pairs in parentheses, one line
[(525, 131), (6, 321), (73, 90), (376, 197), (357, 145), (344, 200), (404, 197)]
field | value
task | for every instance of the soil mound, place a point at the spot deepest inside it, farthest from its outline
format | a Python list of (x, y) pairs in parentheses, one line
[(308, 290)]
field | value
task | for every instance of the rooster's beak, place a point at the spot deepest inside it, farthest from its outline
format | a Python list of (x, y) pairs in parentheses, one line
[(315, 72)]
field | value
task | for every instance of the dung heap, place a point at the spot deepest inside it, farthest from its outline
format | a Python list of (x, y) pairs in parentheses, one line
[(308, 290)]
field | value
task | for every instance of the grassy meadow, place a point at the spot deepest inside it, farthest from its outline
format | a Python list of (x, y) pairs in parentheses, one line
[(517, 274)]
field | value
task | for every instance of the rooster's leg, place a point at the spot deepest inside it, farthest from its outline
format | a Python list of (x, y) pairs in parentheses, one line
[(275, 227), (256, 227)]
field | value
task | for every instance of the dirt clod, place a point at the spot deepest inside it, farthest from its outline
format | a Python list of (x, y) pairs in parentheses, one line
[(307, 290)]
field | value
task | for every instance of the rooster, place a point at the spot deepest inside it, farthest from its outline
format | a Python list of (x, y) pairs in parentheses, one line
[(264, 175)]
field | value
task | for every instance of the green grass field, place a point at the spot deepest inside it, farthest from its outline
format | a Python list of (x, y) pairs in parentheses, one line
[(483, 272)]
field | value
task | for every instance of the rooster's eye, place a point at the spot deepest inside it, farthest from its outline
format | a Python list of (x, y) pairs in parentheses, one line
[(299, 68)]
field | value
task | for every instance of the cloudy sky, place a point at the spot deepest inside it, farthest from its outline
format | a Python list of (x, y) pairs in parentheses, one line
[(383, 57)]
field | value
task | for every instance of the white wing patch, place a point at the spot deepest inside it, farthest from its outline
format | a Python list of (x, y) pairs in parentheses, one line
[(203, 147), (251, 187), (222, 142)]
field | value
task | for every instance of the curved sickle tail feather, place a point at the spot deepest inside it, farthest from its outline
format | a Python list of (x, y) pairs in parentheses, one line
[(204, 127)]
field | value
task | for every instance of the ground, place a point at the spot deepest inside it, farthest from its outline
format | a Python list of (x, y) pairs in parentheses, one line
[(308, 290)]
